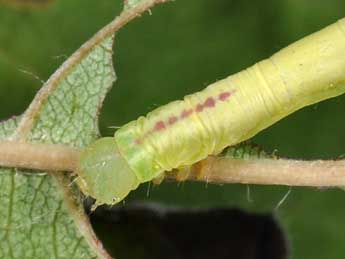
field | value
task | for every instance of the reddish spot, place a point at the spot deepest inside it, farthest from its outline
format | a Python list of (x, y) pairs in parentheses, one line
[(159, 126), (199, 107), (223, 96), (172, 120), (186, 113), (210, 102)]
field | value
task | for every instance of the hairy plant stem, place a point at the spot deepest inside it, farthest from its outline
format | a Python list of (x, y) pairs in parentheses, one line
[(44, 157), (49, 157), (289, 172)]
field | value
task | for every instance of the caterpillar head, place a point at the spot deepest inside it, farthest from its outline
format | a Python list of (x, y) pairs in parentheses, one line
[(104, 174)]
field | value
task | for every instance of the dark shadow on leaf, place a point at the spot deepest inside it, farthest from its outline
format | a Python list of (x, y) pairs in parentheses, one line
[(153, 231)]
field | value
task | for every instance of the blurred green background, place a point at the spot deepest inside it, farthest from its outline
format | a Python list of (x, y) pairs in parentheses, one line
[(182, 47)]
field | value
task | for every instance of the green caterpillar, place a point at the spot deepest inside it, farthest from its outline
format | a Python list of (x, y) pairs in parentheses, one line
[(225, 113)]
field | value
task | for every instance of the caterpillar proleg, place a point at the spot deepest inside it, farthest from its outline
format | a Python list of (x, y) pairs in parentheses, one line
[(225, 113)]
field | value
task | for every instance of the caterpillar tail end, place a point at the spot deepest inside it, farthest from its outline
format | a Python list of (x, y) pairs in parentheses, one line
[(104, 174)]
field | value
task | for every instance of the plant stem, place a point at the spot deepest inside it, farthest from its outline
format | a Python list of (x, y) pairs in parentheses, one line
[(49, 157), (45, 157), (265, 171)]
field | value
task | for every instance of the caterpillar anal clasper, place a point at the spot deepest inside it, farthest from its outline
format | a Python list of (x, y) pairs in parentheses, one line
[(223, 114)]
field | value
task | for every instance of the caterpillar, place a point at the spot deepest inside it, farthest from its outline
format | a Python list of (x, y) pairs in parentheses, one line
[(225, 113)]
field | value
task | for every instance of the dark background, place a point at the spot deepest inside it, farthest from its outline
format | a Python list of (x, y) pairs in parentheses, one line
[(182, 47)]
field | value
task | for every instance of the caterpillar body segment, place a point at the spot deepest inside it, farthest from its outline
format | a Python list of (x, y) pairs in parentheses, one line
[(227, 112), (104, 174)]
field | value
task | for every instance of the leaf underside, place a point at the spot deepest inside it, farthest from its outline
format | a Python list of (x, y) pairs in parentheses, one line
[(35, 219)]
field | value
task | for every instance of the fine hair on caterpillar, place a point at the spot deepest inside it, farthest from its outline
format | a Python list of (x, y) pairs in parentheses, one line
[(224, 114)]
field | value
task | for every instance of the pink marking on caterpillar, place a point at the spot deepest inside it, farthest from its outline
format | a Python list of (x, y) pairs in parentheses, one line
[(199, 107), (172, 120), (210, 102), (160, 125), (224, 96), (186, 113)]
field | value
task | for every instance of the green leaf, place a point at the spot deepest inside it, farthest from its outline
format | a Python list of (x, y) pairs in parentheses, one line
[(246, 150), (40, 216)]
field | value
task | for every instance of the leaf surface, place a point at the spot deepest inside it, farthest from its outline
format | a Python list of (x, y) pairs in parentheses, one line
[(40, 215)]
